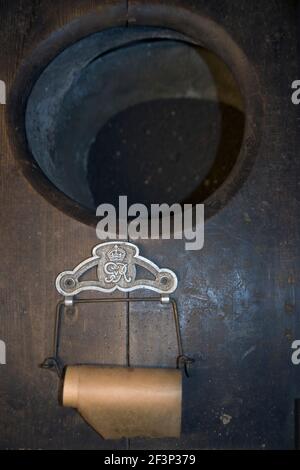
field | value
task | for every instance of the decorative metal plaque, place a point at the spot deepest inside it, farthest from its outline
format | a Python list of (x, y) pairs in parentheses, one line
[(116, 269)]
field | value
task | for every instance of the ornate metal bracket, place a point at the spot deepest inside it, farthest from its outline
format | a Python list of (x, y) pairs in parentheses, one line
[(116, 264)]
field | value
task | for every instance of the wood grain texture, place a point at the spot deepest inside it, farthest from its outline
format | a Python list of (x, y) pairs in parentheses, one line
[(237, 297), (38, 241)]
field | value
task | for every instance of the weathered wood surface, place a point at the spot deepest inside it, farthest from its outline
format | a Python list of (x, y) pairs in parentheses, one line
[(38, 241), (237, 297)]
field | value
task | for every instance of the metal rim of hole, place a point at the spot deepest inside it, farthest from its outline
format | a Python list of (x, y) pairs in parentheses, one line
[(203, 30)]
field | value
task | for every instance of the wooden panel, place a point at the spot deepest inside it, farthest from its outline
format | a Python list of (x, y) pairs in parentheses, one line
[(237, 297), (38, 241)]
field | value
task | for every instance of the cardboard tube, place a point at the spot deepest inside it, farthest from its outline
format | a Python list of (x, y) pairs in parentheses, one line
[(126, 402)]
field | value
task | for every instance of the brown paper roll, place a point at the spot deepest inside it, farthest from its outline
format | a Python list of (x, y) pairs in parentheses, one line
[(126, 402)]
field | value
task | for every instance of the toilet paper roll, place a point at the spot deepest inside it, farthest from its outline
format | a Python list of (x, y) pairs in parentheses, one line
[(126, 402)]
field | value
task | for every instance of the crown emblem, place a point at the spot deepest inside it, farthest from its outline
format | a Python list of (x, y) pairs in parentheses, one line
[(116, 254)]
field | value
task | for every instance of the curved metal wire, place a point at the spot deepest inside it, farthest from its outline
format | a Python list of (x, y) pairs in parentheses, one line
[(55, 363)]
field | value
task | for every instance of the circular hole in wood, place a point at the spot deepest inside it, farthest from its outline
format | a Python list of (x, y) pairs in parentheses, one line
[(140, 111)]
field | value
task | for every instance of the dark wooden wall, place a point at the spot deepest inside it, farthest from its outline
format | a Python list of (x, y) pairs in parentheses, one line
[(237, 297)]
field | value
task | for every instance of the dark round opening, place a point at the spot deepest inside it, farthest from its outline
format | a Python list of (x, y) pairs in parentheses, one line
[(138, 111), (165, 151)]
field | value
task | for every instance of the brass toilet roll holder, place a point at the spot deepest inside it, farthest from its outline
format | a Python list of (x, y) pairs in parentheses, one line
[(116, 264)]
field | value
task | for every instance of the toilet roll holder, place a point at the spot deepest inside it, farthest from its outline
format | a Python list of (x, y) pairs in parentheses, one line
[(118, 265)]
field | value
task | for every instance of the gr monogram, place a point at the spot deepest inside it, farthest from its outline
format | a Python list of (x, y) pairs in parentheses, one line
[(115, 268)]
